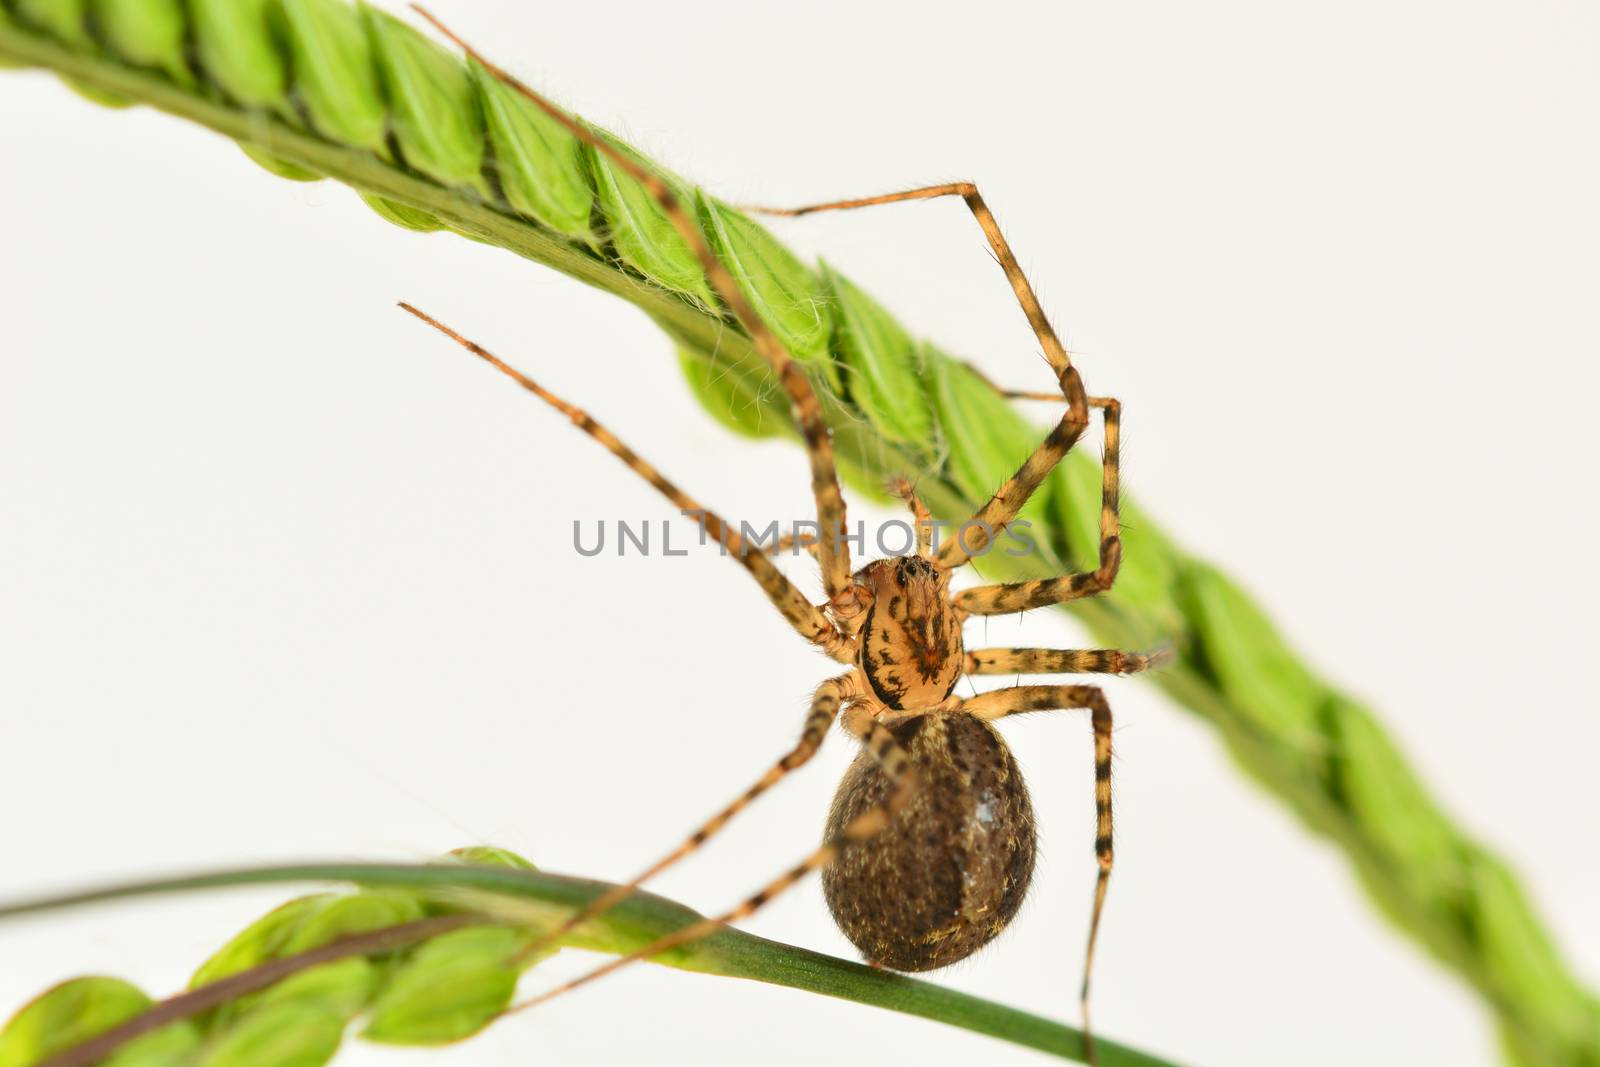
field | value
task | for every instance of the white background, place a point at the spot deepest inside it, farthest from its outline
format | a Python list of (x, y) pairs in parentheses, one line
[(283, 575)]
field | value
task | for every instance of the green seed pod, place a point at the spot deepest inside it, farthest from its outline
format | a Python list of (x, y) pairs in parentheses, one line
[(95, 94), (1073, 490), (291, 1033), (1149, 567), (343, 986), (355, 913), (787, 294), (883, 364), (444, 900), (148, 33), (486, 856), (234, 41), (1520, 954), (451, 988), (641, 233), (539, 162), (402, 214), (172, 1045), (1387, 799), (730, 397), (988, 441), (433, 106), (61, 19), (335, 74), (280, 167), (262, 940), (1249, 660), (67, 1015)]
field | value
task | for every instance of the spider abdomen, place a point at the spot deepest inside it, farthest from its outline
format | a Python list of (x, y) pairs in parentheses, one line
[(951, 870)]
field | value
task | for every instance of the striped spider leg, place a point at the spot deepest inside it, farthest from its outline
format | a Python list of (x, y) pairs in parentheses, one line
[(933, 785), (833, 550), (1008, 501)]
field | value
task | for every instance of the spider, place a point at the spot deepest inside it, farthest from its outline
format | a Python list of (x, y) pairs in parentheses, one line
[(929, 846)]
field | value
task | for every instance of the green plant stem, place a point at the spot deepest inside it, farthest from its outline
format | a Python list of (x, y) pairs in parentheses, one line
[(1316, 749), (506, 895)]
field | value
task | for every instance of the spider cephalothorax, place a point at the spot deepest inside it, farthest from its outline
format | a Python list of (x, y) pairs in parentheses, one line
[(930, 843), (910, 640)]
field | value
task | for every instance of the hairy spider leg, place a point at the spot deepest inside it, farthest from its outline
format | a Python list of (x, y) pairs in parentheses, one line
[(833, 553)]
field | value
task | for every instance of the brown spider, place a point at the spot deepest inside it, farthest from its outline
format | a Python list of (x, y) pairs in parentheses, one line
[(930, 842)]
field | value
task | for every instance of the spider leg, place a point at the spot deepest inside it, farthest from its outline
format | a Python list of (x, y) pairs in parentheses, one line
[(923, 521), (1063, 661), (824, 709), (791, 540), (833, 552), (808, 621), (1024, 698), (1004, 599), (1012, 394), (896, 765), (1054, 351), (976, 534)]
